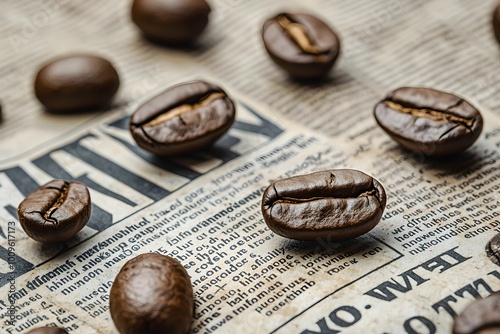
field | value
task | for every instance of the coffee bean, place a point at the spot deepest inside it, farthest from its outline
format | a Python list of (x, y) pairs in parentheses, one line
[(47, 330), (184, 118), (76, 82), (429, 121), (152, 293), (56, 211), (171, 21), (331, 205), (301, 44), (493, 249), (496, 23), (480, 317)]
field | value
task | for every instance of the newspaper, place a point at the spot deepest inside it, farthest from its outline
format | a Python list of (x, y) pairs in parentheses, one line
[(418, 268)]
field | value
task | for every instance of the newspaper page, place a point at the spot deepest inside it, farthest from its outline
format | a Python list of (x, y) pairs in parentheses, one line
[(413, 273)]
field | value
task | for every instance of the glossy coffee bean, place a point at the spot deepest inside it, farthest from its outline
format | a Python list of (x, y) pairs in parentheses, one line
[(76, 82), (152, 294), (56, 211), (47, 330), (496, 23), (429, 121), (184, 118), (480, 317), (171, 21), (301, 44), (493, 249), (331, 205)]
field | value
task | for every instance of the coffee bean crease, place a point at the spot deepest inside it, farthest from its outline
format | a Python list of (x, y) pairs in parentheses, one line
[(57, 204), (299, 34), (434, 115), (183, 109), (301, 44), (47, 215), (291, 200)]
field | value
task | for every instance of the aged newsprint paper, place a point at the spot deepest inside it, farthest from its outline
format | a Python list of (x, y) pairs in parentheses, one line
[(413, 273)]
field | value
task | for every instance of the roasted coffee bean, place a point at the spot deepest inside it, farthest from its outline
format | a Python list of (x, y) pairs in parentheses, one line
[(56, 211), (184, 118), (301, 44), (47, 330), (496, 23), (493, 249), (331, 205), (152, 293), (480, 317), (429, 121), (171, 21), (76, 82)]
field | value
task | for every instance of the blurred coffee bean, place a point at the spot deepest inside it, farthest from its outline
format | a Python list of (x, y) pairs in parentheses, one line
[(171, 21), (76, 82)]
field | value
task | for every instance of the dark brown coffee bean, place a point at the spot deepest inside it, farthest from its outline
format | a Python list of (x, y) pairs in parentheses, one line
[(171, 21), (301, 44), (493, 249), (332, 205), (480, 317), (184, 118), (76, 82), (496, 23), (47, 330), (152, 293), (56, 211), (429, 121)]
